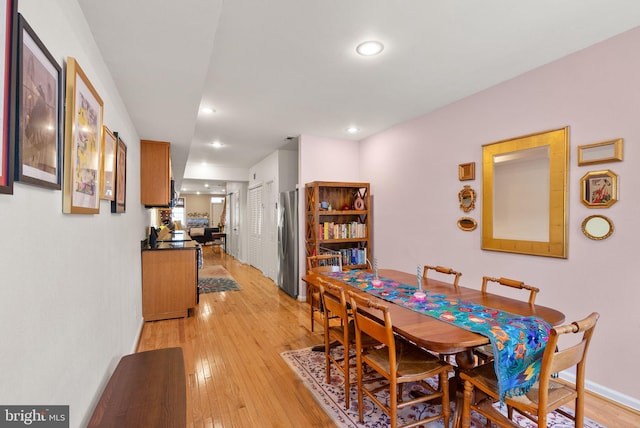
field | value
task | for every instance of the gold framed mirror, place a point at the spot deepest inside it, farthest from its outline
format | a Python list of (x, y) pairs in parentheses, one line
[(524, 194), (597, 227), (606, 151), (467, 224), (467, 198)]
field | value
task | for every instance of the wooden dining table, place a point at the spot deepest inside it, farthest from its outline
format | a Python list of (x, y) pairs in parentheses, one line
[(439, 336)]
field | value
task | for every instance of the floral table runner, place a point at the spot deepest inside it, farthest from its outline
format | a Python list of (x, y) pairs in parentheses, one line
[(518, 341)]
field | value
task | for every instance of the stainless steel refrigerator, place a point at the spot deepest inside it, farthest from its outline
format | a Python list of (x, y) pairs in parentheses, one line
[(288, 243)]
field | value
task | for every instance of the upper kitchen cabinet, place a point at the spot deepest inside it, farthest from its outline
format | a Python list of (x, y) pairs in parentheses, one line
[(155, 173)]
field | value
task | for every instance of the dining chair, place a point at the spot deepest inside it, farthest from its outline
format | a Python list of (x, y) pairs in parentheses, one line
[(320, 263), (444, 270), (397, 362), (335, 307), (485, 352), (548, 395)]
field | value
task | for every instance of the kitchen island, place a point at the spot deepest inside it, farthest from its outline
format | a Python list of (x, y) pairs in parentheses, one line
[(169, 279)]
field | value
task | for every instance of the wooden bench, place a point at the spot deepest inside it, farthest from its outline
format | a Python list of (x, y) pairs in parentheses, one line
[(147, 389)]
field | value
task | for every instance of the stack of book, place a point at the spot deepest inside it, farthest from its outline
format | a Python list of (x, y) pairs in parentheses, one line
[(331, 230)]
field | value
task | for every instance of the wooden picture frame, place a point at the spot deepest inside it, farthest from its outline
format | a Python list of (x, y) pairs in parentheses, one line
[(39, 112), (119, 204), (467, 171), (599, 189), (603, 152), (83, 143), (8, 23), (108, 168)]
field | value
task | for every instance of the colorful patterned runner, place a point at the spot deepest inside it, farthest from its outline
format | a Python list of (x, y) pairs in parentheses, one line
[(518, 341)]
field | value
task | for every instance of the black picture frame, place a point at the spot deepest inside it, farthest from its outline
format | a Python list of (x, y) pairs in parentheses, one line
[(119, 204), (39, 112), (8, 29)]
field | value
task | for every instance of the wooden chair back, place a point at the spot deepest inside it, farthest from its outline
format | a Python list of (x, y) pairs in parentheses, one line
[(398, 362), (548, 395), (443, 270), (334, 302), (533, 291), (555, 361), (324, 263), (382, 332)]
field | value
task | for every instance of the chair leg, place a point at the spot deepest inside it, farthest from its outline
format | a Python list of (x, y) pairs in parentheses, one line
[(393, 403), (359, 375), (311, 291), (579, 411), (327, 357), (466, 405), (444, 388), (347, 380)]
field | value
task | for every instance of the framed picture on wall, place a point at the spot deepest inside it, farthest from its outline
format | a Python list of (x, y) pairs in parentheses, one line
[(599, 189), (119, 204), (8, 22), (39, 112), (108, 180), (83, 143)]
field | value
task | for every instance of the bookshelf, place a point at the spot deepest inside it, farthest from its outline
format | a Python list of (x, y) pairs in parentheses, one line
[(338, 219)]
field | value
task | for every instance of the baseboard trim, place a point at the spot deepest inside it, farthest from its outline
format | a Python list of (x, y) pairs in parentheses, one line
[(136, 341), (609, 394)]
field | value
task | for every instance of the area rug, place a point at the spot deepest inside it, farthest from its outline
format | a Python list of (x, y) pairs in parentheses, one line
[(310, 368), (215, 278)]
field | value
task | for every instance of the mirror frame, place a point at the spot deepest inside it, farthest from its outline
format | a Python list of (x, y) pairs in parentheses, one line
[(606, 151), (558, 142), (585, 226), (467, 224), (467, 190)]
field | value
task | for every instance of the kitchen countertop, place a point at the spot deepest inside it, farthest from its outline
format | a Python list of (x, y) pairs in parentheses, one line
[(180, 240)]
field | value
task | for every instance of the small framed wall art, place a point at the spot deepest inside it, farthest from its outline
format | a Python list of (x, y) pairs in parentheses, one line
[(39, 112), (599, 189), (119, 203), (467, 171), (606, 151), (83, 143), (109, 145)]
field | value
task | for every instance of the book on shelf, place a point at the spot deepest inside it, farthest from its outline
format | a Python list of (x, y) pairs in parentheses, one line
[(352, 230)]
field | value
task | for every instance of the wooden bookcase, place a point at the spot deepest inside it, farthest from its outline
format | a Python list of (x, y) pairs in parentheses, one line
[(343, 226)]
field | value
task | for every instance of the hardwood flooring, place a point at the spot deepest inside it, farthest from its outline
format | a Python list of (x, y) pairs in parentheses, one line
[(235, 376)]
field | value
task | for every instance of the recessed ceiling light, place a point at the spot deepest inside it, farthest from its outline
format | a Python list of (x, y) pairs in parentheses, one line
[(217, 144), (369, 48), (353, 130), (208, 110), (206, 185)]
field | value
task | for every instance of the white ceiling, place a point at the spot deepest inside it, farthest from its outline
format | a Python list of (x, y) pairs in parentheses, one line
[(279, 68)]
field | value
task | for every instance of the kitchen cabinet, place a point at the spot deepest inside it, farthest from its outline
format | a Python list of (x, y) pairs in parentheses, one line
[(169, 280), (155, 173)]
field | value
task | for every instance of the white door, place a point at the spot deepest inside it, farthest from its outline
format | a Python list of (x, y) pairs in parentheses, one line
[(233, 232), (256, 216), (270, 232)]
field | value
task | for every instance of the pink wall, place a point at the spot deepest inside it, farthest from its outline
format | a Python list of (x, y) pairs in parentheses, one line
[(413, 171)]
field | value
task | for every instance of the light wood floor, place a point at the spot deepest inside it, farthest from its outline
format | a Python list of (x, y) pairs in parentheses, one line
[(235, 376)]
